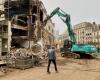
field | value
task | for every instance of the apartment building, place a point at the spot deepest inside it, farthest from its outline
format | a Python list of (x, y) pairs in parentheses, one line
[(84, 33), (96, 34)]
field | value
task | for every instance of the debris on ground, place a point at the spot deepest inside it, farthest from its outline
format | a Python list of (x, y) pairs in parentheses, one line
[(23, 58)]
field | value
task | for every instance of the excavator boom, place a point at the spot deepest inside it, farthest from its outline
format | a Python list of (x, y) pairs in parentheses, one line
[(65, 18)]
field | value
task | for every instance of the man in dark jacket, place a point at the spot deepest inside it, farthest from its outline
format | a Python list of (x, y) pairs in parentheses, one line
[(51, 58)]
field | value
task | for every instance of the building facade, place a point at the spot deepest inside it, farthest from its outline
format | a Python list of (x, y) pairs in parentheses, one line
[(88, 33), (96, 35), (84, 33), (62, 38)]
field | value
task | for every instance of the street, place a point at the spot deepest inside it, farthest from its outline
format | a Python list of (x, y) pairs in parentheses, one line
[(69, 69)]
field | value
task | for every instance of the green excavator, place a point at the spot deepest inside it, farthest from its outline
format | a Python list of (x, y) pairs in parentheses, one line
[(71, 46)]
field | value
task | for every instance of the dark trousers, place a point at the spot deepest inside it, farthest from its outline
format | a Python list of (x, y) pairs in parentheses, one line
[(49, 62)]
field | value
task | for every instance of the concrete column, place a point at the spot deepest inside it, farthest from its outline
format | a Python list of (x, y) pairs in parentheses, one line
[(9, 35), (0, 46)]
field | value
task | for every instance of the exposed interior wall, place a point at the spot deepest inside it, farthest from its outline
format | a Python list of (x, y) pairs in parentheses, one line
[(19, 12), (22, 21), (41, 15), (18, 37), (4, 45), (16, 7), (34, 11), (18, 32), (27, 44)]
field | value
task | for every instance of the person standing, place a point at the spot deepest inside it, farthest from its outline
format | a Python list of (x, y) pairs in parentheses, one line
[(51, 58)]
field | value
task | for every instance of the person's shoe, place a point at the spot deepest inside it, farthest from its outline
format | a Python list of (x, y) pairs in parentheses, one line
[(48, 72), (56, 71)]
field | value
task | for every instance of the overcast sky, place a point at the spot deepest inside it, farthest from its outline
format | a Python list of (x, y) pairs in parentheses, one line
[(80, 11)]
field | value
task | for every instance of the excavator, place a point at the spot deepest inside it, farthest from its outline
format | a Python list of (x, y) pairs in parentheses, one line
[(70, 46)]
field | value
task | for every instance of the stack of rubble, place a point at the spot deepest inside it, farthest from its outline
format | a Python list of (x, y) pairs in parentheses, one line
[(23, 58)]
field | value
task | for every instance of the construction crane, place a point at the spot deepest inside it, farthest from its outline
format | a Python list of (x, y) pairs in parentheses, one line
[(71, 46)]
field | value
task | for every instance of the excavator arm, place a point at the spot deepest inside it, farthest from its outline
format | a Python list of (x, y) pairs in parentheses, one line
[(66, 19), (51, 15)]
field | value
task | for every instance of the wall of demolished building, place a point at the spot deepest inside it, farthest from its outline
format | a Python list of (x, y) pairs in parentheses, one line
[(4, 37), (2, 9), (26, 22), (0, 40), (22, 15), (49, 38), (48, 33)]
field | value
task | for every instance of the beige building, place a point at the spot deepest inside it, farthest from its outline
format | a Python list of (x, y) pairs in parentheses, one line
[(48, 33), (56, 41), (84, 33), (48, 30), (63, 37), (96, 34)]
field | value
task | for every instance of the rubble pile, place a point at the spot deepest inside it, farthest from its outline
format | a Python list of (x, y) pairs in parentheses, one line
[(20, 53), (23, 58), (36, 48)]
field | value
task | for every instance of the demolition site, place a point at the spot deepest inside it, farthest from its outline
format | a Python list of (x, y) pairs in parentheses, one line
[(27, 33)]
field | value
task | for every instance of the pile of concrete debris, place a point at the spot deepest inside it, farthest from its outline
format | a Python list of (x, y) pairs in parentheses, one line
[(21, 53), (35, 50), (23, 58)]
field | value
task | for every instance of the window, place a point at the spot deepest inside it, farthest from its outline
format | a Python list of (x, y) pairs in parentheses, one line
[(49, 27), (52, 30), (5, 28)]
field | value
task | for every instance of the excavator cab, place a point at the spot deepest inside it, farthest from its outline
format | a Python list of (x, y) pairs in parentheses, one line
[(66, 49), (67, 44)]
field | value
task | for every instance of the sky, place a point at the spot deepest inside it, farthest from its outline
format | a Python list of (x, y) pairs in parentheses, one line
[(79, 10)]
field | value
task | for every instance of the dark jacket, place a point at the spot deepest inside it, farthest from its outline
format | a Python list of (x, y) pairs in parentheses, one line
[(51, 54)]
